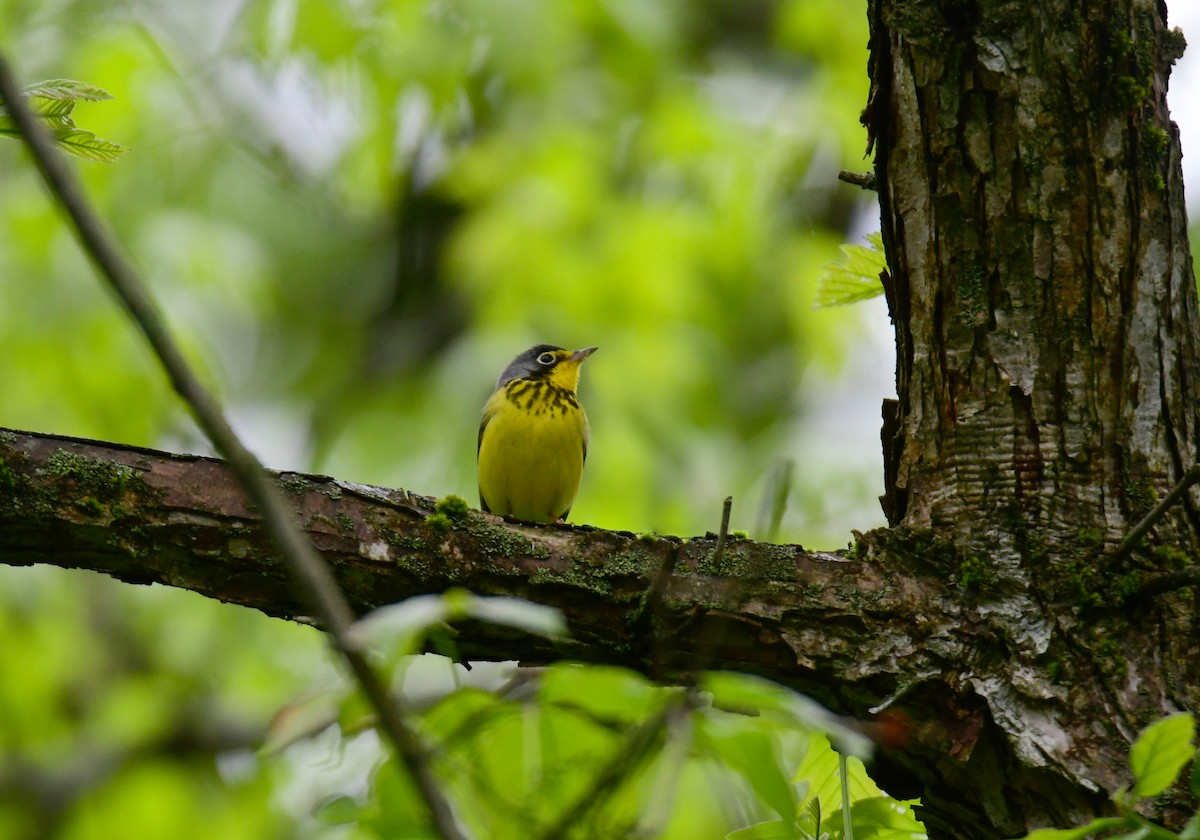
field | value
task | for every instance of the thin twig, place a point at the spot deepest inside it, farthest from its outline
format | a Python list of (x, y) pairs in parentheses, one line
[(1151, 519), (311, 574), (719, 552)]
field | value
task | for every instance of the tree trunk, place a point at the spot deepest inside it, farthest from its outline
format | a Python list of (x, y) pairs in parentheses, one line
[(1047, 371)]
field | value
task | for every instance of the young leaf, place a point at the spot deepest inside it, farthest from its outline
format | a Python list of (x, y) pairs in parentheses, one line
[(85, 144), (856, 277), (882, 818), (66, 89), (1160, 752), (52, 101)]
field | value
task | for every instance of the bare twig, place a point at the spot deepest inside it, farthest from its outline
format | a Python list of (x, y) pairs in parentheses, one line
[(309, 571), (866, 180), (719, 552), (1158, 512)]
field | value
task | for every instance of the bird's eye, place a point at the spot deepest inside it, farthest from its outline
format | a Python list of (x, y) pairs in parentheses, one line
[(546, 359)]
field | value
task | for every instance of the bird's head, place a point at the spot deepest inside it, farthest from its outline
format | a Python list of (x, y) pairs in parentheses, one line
[(548, 363)]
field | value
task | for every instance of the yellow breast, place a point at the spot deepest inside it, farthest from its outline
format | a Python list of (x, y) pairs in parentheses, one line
[(532, 445)]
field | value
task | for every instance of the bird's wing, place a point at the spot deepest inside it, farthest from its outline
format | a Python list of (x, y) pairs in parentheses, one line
[(587, 434), (489, 411)]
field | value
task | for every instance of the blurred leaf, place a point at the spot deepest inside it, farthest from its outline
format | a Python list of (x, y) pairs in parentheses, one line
[(609, 694), (303, 719), (1093, 829), (770, 830), (516, 612), (1160, 753), (754, 755), (856, 277), (340, 810), (750, 694), (400, 628)]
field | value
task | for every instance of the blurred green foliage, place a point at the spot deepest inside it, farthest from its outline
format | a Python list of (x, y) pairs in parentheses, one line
[(354, 214)]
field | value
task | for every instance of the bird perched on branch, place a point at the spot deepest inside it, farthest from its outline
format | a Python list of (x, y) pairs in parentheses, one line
[(533, 438)]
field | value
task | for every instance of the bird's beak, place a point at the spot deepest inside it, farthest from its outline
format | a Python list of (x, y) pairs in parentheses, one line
[(580, 355)]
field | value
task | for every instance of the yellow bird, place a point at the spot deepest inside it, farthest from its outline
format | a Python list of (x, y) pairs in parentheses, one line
[(533, 438)]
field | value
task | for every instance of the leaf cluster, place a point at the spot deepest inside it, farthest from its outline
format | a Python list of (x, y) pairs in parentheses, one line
[(52, 102)]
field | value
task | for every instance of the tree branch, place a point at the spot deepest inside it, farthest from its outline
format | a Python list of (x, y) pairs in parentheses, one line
[(849, 629)]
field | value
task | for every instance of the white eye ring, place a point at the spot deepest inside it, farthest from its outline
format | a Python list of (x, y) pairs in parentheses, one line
[(546, 359)]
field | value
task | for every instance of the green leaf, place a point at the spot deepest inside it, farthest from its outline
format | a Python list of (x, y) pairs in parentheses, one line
[(749, 694), (809, 821), (856, 277), (85, 144), (609, 694), (1095, 827), (1160, 752), (518, 613), (67, 89), (58, 109), (770, 830), (401, 628), (52, 101), (753, 754), (341, 810), (882, 818)]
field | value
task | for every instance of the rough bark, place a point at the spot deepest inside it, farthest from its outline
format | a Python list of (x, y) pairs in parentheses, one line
[(1042, 286), (905, 620), (1047, 367)]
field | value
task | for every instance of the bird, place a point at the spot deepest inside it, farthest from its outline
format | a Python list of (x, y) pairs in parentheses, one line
[(533, 438)]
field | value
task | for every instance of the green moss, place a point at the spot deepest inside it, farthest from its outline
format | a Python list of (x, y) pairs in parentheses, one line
[(291, 483), (1112, 661), (498, 541), (1126, 586), (454, 507), (975, 573), (103, 479), (334, 491), (738, 535), (9, 480), (1171, 557), (439, 523), (7, 438), (972, 295), (1139, 492), (1174, 45), (1055, 670), (649, 538), (1153, 146), (344, 522), (1089, 537)]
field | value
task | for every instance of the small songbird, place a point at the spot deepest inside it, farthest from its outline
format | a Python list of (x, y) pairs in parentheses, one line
[(533, 439)]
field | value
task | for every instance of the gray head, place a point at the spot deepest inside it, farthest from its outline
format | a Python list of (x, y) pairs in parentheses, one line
[(540, 361)]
